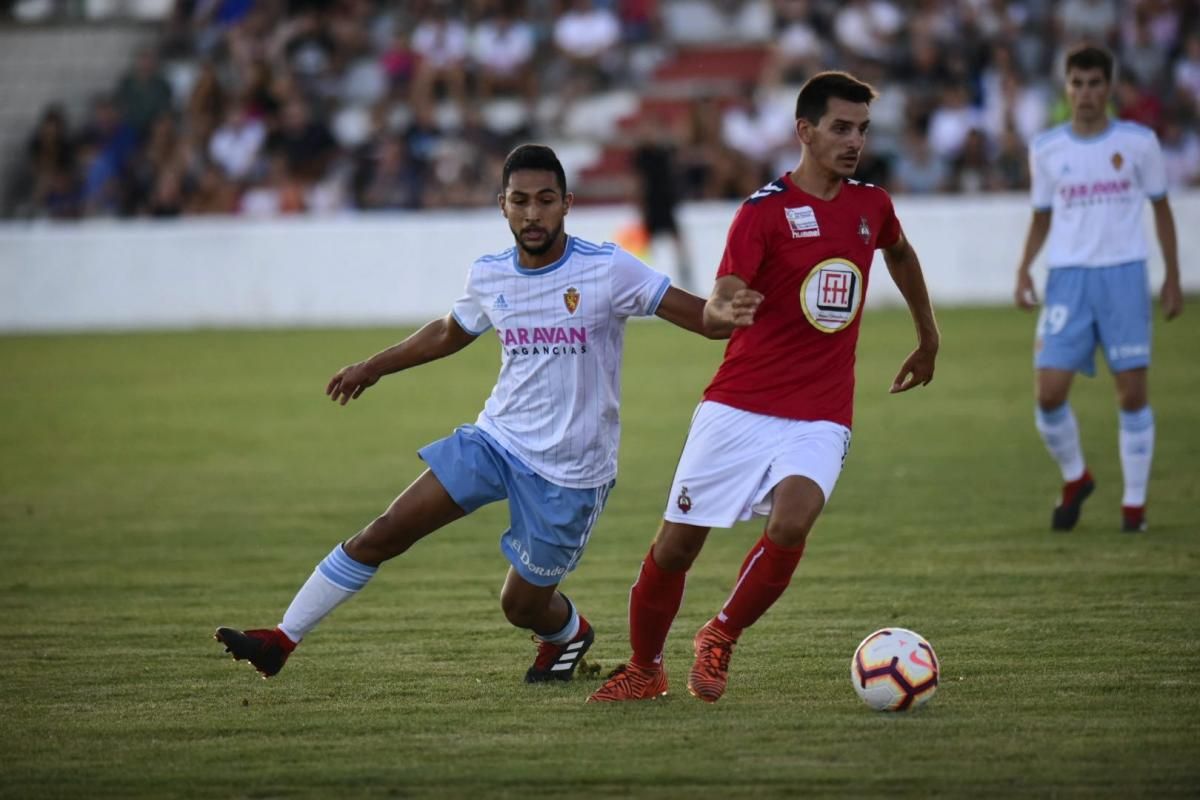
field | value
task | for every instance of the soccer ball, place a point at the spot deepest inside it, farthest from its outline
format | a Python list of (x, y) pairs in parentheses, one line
[(894, 670)]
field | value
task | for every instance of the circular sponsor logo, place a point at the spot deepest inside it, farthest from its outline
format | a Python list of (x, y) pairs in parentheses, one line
[(831, 294)]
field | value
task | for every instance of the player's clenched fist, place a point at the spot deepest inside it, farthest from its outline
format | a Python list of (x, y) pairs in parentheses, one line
[(744, 304)]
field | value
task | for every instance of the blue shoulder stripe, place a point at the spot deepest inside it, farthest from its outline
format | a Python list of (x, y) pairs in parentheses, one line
[(1133, 127), (584, 244), (505, 256), (1042, 138), (597, 251)]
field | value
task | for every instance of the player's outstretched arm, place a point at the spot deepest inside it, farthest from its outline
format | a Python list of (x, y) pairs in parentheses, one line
[(732, 305), (1025, 295), (1172, 289), (902, 263), (437, 339), (685, 310)]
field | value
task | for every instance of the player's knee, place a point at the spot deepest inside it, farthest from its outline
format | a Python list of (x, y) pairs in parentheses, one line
[(519, 611), (676, 553), (1132, 404), (377, 542), (1133, 398), (1050, 398), (789, 532)]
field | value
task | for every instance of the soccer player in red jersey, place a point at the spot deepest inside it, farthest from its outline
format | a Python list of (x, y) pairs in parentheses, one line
[(772, 431)]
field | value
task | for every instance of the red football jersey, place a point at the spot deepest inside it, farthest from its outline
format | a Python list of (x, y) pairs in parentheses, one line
[(811, 260)]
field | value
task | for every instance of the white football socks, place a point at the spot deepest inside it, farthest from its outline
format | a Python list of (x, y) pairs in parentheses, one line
[(1136, 439), (335, 580), (1060, 434)]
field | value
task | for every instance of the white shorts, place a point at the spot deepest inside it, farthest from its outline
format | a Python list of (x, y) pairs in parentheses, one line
[(733, 460)]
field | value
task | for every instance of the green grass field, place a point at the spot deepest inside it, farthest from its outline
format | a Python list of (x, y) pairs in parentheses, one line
[(155, 486)]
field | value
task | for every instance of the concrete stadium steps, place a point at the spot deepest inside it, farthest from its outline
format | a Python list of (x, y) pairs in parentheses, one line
[(711, 70), (740, 64), (662, 110), (608, 178)]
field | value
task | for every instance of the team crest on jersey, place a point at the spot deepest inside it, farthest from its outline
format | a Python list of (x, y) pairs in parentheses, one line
[(864, 230), (832, 294), (802, 221), (1117, 161), (683, 501), (571, 299)]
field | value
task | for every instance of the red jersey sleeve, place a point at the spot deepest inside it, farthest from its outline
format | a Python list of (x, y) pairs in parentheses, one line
[(745, 246), (889, 232)]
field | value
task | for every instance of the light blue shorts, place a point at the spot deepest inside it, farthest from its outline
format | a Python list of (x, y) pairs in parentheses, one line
[(549, 524), (1090, 306)]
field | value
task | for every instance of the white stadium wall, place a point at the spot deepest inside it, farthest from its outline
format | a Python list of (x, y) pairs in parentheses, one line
[(407, 268)]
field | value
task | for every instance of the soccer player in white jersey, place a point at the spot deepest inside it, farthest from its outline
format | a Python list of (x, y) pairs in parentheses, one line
[(1091, 177), (546, 439)]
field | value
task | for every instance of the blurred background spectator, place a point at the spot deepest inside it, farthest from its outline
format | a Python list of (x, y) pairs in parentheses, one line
[(657, 190), (272, 107)]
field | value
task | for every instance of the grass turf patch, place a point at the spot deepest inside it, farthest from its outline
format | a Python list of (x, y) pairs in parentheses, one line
[(155, 486)]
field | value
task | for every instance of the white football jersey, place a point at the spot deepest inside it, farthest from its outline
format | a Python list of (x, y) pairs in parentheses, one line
[(1095, 189), (561, 330)]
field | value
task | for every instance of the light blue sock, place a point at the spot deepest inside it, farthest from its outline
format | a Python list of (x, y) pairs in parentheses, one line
[(1136, 439), (344, 572), (335, 580), (1060, 434), (568, 631)]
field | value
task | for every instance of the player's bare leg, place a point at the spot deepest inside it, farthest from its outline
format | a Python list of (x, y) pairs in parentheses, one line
[(562, 634), (1060, 433), (795, 505), (1133, 388), (420, 510), (676, 545), (1053, 387), (766, 572), (653, 603), (1136, 439)]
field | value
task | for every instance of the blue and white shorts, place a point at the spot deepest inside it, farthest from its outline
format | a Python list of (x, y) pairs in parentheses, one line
[(549, 524), (1089, 306)]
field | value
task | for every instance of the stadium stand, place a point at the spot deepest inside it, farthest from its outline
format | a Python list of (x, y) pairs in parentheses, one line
[(162, 108)]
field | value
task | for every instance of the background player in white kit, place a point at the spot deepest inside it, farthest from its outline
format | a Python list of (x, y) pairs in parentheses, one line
[(1090, 179), (546, 439)]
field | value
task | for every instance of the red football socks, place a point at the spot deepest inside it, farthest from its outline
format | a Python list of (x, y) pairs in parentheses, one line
[(653, 603), (766, 572)]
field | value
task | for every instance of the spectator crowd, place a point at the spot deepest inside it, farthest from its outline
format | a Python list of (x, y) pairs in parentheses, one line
[(270, 107)]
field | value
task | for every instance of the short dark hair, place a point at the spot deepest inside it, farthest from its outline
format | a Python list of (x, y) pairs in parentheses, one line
[(1090, 56), (813, 100), (533, 156)]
